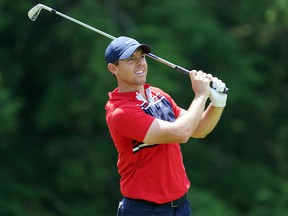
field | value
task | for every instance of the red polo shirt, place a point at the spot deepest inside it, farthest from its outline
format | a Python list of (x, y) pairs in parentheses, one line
[(156, 172)]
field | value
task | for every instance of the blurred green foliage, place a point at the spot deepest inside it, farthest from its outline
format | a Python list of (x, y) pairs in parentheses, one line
[(56, 155)]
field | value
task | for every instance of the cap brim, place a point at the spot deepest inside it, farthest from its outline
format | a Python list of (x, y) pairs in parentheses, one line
[(131, 50)]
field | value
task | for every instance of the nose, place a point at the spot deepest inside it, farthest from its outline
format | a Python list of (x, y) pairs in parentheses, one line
[(140, 60)]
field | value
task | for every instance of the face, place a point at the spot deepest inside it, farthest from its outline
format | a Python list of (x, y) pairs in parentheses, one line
[(130, 73)]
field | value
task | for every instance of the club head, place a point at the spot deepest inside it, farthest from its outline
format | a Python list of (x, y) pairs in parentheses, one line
[(34, 12)]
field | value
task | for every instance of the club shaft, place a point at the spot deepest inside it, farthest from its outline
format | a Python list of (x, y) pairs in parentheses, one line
[(163, 61), (157, 58), (83, 24)]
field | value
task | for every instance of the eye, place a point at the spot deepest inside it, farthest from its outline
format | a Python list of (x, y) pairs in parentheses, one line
[(131, 59)]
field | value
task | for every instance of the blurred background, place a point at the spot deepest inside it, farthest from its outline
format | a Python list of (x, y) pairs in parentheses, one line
[(56, 154)]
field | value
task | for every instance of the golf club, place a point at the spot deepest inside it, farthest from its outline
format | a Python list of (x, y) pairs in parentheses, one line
[(35, 11)]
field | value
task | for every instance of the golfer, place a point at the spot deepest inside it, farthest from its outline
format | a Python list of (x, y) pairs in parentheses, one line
[(147, 127)]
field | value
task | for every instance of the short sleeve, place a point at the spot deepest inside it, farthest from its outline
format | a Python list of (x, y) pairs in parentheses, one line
[(131, 122)]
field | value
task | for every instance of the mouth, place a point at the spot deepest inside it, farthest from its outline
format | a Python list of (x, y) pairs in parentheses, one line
[(140, 72)]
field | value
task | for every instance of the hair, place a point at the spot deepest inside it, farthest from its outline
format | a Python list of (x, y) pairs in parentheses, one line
[(116, 62)]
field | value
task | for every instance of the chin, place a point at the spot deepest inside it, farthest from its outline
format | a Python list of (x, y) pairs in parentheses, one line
[(140, 82)]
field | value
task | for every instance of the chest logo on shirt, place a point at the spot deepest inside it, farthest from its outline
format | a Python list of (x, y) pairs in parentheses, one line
[(159, 107)]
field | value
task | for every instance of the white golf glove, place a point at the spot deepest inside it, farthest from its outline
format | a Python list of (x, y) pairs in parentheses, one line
[(218, 98)]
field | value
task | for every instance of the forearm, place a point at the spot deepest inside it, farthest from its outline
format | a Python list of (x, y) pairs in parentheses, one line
[(185, 125), (190, 120), (209, 120), (181, 129)]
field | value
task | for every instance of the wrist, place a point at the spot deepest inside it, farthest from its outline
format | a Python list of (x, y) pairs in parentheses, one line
[(201, 97), (218, 105)]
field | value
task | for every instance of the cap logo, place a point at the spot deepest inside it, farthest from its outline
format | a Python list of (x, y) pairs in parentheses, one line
[(127, 42)]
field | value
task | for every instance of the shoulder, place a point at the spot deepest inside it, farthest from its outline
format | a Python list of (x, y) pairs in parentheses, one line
[(157, 90)]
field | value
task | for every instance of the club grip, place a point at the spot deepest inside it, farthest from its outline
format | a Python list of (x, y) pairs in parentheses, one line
[(187, 72)]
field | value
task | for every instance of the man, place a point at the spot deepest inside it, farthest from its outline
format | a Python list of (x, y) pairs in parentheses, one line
[(146, 126)]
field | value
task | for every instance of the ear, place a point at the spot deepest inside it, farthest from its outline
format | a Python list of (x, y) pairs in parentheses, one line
[(112, 68)]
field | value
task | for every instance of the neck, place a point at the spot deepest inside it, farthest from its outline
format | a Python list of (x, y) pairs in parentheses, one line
[(130, 88), (139, 88)]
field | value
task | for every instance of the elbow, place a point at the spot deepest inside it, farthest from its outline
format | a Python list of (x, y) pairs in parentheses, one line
[(201, 132), (183, 140), (199, 135)]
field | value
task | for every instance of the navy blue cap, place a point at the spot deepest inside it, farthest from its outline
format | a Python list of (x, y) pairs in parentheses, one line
[(122, 48)]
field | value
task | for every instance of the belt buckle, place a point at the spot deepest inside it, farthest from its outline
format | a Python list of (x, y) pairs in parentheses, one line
[(172, 205), (176, 205)]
